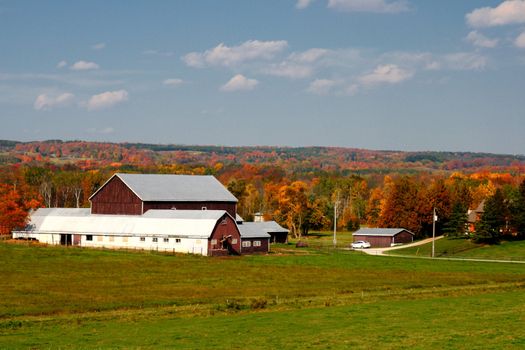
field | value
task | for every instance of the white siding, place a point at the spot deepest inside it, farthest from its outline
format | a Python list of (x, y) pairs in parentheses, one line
[(115, 241)]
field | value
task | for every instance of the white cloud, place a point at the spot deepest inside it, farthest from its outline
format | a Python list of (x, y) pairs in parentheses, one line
[(61, 64), (351, 90), (173, 82), (464, 61), (386, 74), (478, 39), (84, 65), (289, 70), (413, 61), (433, 65), (107, 99), (508, 12), (194, 59), (376, 6), (223, 55), (158, 53), (46, 102), (106, 130), (239, 83), (308, 56), (321, 86), (302, 4), (520, 41), (98, 46)]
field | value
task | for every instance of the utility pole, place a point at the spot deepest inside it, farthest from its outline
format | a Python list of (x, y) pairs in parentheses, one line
[(434, 218), (335, 223)]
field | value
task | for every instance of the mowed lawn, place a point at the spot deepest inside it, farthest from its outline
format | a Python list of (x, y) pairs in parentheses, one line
[(464, 248), (54, 297)]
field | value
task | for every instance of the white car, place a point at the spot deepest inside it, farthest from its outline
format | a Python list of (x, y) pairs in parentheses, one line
[(361, 245)]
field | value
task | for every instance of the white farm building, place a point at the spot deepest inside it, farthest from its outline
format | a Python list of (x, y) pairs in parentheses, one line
[(209, 230)]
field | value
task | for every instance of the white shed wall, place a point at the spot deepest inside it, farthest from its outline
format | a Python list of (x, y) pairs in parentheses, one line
[(186, 245)]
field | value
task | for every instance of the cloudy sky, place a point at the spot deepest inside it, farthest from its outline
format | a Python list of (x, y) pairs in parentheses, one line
[(378, 74)]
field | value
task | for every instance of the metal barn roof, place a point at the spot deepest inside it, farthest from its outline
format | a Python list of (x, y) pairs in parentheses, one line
[(179, 223), (182, 188), (271, 226), (252, 230), (385, 232)]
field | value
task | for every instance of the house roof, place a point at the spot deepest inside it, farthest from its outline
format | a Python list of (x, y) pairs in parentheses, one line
[(177, 223), (474, 215), (383, 232), (179, 188)]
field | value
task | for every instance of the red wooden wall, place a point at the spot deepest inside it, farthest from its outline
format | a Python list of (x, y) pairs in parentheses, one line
[(116, 198), (229, 207), (226, 226)]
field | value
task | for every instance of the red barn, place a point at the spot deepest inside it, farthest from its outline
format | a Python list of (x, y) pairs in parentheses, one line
[(383, 237), (135, 194)]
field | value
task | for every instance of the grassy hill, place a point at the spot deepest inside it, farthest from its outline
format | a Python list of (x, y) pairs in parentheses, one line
[(463, 248), (54, 297)]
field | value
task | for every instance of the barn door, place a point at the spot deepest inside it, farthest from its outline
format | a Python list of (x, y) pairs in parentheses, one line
[(227, 244), (65, 239)]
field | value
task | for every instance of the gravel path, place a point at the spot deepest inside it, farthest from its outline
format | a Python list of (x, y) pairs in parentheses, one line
[(380, 251)]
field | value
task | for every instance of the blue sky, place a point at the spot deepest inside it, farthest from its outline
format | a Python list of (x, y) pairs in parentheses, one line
[(442, 75)]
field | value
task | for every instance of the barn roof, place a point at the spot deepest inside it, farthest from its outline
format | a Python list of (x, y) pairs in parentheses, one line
[(272, 226), (384, 232), (180, 188), (178, 223), (260, 229)]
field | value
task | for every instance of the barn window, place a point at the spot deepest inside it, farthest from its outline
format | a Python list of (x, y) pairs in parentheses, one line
[(111, 238), (246, 244), (166, 240), (143, 239), (177, 240), (256, 243), (224, 221), (125, 239), (234, 241), (154, 239), (213, 241), (100, 238), (89, 237)]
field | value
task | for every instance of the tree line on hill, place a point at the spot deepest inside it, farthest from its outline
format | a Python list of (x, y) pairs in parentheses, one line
[(90, 155), (300, 201)]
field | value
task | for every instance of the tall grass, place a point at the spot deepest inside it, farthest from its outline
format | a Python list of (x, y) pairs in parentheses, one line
[(74, 297)]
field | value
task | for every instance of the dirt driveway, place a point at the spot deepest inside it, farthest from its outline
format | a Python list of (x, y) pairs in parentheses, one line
[(380, 251)]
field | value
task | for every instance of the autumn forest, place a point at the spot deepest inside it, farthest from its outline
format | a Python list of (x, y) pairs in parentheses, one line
[(301, 188)]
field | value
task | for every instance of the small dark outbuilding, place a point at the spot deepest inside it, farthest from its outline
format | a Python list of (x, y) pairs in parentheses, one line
[(383, 237), (254, 239)]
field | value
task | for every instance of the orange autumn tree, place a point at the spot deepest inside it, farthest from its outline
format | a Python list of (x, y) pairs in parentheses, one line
[(401, 206), (296, 210), (13, 209)]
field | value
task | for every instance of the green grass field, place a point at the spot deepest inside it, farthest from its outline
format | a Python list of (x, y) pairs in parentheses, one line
[(54, 297), (463, 248)]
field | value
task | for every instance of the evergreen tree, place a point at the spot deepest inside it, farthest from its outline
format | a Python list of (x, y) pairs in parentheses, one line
[(518, 214), (493, 220), (457, 223)]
